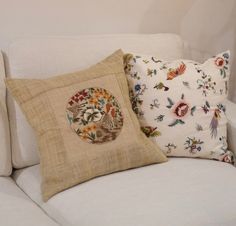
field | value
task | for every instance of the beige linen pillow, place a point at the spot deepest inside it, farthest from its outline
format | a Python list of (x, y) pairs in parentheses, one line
[(84, 124)]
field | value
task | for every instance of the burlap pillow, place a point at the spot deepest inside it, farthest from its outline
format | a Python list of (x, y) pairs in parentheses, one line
[(84, 124)]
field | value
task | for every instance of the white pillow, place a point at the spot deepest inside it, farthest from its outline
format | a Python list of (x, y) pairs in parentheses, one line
[(5, 153), (180, 104)]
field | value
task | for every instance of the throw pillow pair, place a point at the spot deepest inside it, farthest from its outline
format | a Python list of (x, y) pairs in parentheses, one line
[(85, 125)]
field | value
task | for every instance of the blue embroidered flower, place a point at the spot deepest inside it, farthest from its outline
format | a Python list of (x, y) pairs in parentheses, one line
[(137, 87), (226, 55)]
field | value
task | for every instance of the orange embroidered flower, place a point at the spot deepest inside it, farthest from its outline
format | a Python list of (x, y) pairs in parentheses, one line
[(106, 96), (89, 128), (176, 71), (94, 127), (91, 101), (97, 95), (100, 92), (85, 130)]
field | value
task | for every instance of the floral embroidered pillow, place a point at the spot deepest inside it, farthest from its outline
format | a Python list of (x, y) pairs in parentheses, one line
[(180, 104), (83, 123)]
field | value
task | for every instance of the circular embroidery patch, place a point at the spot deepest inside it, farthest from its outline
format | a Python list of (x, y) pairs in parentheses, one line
[(95, 115)]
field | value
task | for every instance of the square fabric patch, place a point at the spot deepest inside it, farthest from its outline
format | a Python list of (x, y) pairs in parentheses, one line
[(84, 124), (180, 104)]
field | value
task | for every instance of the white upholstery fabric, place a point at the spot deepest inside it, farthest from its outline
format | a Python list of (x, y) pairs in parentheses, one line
[(17, 209), (181, 192), (43, 57), (5, 152)]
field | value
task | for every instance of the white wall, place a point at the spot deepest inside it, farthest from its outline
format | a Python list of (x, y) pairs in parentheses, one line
[(209, 26)]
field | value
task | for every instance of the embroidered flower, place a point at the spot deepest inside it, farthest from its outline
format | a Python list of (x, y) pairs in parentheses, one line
[(137, 87), (93, 101), (181, 109), (193, 145), (170, 147), (174, 72), (226, 158), (92, 115), (206, 85), (135, 98), (220, 62)]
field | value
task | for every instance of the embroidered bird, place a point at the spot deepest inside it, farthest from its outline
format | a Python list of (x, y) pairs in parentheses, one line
[(75, 109), (175, 72), (160, 85), (150, 131), (107, 128), (107, 123), (214, 123)]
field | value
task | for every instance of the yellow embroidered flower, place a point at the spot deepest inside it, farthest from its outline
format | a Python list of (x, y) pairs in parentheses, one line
[(89, 128), (97, 95), (100, 92)]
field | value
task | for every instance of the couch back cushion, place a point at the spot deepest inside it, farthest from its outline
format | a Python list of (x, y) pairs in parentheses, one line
[(47, 56), (5, 154)]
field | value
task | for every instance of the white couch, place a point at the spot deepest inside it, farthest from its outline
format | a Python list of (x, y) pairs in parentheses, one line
[(181, 192)]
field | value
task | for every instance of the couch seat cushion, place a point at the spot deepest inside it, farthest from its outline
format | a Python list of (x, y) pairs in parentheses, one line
[(17, 209), (180, 192)]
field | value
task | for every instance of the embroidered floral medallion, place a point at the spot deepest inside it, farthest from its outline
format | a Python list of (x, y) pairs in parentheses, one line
[(95, 115)]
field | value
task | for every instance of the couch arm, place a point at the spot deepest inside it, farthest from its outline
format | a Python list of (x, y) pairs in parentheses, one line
[(231, 127)]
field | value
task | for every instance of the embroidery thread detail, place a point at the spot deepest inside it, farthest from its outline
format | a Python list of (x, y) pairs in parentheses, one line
[(193, 145), (175, 72)]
